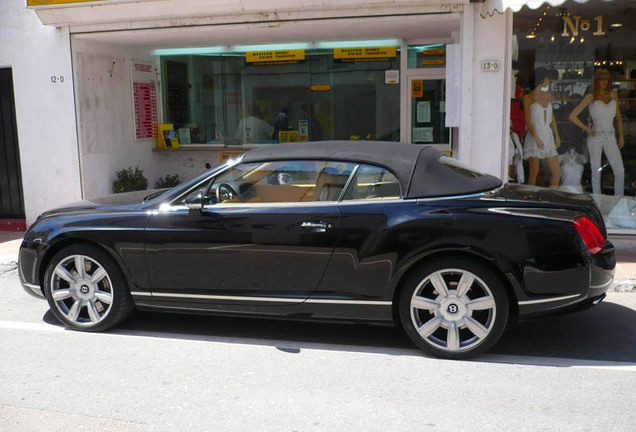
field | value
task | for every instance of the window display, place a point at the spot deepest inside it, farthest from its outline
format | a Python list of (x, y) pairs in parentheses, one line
[(575, 80), (247, 95)]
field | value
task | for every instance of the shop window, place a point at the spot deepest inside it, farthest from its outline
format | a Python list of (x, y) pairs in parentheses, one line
[(573, 112), (242, 97), (427, 56)]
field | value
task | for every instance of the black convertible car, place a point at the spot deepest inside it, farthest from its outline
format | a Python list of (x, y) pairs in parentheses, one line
[(363, 231)]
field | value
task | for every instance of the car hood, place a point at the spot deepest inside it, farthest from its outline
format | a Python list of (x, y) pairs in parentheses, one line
[(114, 202)]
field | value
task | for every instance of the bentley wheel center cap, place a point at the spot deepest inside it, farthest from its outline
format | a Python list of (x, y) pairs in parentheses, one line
[(453, 308), (84, 289)]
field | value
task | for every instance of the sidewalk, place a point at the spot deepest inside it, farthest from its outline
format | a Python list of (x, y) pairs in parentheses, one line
[(624, 279)]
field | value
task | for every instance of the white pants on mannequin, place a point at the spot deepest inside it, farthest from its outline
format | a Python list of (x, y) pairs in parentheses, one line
[(596, 145)]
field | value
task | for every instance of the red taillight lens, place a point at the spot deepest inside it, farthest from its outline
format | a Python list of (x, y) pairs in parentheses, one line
[(590, 234)]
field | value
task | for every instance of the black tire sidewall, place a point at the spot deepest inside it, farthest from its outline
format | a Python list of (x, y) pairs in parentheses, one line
[(488, 276), (122, 303)]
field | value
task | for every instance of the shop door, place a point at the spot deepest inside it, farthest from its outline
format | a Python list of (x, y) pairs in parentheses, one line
[(426, 109), (11, 199)]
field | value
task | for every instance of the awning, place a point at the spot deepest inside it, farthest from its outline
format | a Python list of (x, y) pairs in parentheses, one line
[(489, 7)]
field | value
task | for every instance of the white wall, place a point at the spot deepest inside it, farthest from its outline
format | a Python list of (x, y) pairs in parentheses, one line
[(105, 115), (485, 96), (45, 110)]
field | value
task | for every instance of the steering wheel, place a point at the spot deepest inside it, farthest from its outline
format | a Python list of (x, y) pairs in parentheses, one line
[(229, 193)]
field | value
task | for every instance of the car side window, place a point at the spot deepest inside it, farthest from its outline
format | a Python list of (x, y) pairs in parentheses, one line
[(373, 183), (281, 182)]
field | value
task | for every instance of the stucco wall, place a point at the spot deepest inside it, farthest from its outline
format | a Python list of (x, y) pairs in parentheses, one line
[(45, 110)]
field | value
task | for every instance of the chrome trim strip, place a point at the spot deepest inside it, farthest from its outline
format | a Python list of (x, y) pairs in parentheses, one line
[(548, 300), (141, 293), (264, 299), (452, 197), (238, 298), (528, 212), (351, 302)]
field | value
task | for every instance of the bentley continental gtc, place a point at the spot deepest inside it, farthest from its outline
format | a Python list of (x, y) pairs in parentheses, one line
[(335, 231)]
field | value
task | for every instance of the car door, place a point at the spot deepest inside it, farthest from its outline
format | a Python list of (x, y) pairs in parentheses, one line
[(365, 254), (265, 233)]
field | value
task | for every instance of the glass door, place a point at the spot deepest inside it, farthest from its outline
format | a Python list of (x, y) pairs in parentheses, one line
[(426, 109)]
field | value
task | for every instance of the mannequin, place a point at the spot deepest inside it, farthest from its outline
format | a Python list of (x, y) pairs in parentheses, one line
[(542, 138), (572, 170), (603, 105)]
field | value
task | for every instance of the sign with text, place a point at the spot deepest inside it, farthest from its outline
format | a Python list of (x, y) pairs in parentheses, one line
[(56, 2), (573, 25), (364, 53), (490, 65), (144, 99), (280, 57)]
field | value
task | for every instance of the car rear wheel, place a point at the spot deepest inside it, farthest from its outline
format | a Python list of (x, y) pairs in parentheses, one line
[(454, 308), (86, 289)]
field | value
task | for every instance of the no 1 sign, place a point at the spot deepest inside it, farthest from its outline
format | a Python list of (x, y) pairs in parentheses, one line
[(490, 65)]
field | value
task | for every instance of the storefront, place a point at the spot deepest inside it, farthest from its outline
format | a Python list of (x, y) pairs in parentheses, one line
[(574, 64), (231, 76)]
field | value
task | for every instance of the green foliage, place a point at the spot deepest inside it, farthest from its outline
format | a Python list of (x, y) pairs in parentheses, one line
[(168, 181), (129, 180)]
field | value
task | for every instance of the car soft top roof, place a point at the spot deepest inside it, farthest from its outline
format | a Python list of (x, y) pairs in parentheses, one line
[(419, 169)]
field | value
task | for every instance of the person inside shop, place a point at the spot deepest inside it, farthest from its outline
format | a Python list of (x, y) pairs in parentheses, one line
[(252, 129), (603, 106), (281, 122), (542, 138)]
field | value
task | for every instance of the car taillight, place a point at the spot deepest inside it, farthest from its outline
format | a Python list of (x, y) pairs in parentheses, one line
[(590, 234)]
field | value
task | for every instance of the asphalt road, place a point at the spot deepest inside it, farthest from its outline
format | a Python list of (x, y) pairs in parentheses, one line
[(574, 372)]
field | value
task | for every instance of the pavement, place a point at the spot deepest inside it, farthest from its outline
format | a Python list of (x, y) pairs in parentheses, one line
[(624, 279)]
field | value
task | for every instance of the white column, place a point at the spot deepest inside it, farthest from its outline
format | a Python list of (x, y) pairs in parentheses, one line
[(488, 113)]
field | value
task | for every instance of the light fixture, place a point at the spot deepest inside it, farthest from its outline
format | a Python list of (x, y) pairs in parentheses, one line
[(616, 25), (572, 40), (530, 36), (552, 38), (582, 39)]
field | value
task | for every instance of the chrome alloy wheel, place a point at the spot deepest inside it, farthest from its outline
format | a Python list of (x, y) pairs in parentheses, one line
[(81, 290), (453, 310)]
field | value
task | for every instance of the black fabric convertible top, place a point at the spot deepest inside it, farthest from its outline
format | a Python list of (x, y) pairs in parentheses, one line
[(419, 169)]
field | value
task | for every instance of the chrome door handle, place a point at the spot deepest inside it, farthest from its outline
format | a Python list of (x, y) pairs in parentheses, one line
[(319, 227)]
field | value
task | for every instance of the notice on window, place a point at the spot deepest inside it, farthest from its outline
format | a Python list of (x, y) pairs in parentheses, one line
[(303, 130), (424, 112), (392, 77), (423, 135), (144, 99)]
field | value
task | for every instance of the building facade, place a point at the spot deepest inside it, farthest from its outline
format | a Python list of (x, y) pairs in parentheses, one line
[(94, 80)]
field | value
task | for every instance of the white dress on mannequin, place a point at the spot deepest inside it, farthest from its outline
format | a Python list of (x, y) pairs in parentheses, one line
[(571, 171), (541, 118), (605, 141)]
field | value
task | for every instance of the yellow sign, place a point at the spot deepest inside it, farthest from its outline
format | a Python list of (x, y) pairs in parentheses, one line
[(320, 87), (364, 53), (288, 136), (434, 52), (227, 155), (417, 88), (56, 2), (167, 137), (433, 62), (274, 56)]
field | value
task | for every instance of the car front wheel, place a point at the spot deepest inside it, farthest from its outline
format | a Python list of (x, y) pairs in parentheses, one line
[(86, 289), (454, 308)]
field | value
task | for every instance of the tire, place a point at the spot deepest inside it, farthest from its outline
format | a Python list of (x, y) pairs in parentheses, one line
[(453, 308), (97, 299)]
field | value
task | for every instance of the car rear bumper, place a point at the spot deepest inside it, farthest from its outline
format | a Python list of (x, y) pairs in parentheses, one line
[(600, 267)]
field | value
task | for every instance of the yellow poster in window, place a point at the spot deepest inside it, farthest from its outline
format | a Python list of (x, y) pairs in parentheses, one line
[(288, 136), (364, 53), (275, 56), (56, 2), (167, 137)]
